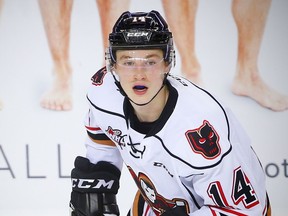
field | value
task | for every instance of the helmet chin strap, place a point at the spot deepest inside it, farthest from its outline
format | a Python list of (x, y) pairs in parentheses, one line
[(139, 104)]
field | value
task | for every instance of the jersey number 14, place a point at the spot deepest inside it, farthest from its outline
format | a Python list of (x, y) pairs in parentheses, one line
[(242, 191)]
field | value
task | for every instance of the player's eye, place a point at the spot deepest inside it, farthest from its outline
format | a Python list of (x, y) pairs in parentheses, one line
[(128, 63), (150, 62), (211, 134)]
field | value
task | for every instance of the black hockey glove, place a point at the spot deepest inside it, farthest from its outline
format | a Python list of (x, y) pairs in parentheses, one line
[(94, 188)]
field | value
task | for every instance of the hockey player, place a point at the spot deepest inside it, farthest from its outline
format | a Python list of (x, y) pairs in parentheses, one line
[(185, 150)]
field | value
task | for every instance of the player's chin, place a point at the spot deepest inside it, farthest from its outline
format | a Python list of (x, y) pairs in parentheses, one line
[(142, 99), (138, 94)]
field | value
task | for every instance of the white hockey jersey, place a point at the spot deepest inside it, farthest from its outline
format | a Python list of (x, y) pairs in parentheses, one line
[(195, 156)]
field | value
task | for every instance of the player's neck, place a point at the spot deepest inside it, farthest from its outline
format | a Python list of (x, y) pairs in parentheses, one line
[(152, 111)]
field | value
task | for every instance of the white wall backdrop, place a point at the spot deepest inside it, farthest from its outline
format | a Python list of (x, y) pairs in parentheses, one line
[(37, 146)]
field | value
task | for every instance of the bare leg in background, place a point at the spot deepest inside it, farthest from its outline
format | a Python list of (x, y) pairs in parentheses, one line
[(56, 17), (181, 19), (252, 14), (248, 15)]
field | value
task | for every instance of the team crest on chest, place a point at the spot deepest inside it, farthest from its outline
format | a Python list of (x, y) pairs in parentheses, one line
[(204, 140)]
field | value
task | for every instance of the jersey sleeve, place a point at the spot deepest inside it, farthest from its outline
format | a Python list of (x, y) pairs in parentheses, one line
[(98, 146)]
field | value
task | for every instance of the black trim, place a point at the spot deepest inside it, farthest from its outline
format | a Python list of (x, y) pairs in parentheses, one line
[(185, 162), (98, 136), (103, 110)]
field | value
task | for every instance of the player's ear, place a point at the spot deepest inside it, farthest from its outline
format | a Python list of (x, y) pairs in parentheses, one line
[(167, 68)]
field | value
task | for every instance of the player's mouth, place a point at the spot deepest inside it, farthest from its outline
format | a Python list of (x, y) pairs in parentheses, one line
[(140, 89)]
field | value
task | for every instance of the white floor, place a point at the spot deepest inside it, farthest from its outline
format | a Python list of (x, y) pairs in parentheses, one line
[(30, 136)]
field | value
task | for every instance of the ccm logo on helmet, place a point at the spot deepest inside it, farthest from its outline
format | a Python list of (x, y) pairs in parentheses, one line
[(137, 34), (91, 183)]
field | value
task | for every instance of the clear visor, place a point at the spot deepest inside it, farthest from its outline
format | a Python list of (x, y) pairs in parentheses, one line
[(150, 61), (131, 63), (139, 58)]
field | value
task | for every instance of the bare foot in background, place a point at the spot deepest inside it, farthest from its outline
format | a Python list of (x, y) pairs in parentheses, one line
[(250, 17), (192, 71), (259, 91), (59, 96)]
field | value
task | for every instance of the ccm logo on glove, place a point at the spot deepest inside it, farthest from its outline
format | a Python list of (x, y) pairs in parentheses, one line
[(91, 183)]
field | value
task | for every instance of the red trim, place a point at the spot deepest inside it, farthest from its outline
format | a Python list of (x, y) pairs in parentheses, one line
[(226, 210), (93, 128)]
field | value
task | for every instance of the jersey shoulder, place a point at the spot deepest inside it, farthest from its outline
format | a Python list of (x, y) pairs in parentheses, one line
[(103, 92), (202, 124)]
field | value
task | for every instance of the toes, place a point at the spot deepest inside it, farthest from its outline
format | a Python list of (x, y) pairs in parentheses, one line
[(56, 103)]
